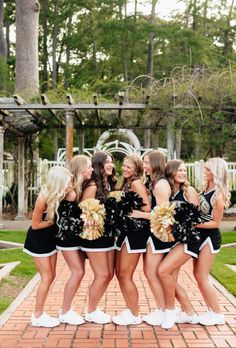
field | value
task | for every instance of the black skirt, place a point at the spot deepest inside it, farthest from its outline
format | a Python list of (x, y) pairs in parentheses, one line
[(96, 245), (136, 238), (41, 242), (212, 237), (158, 246)]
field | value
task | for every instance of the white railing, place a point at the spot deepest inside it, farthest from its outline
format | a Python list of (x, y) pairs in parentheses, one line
[(36, 177)]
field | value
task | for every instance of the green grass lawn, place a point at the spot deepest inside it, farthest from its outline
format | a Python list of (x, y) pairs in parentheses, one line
[(13, 236), (221, 272), (11, 286), (228, 237)]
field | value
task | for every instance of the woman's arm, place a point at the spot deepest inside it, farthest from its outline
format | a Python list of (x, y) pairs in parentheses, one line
[(162, 192), (39, 209), (192, 196), (139, 187)]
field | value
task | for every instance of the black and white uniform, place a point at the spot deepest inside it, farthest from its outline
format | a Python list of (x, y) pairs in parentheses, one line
[(135, 242), (210, 236), (157, 245), (189, 248), (103, 243), (41, 242), (69, 221)]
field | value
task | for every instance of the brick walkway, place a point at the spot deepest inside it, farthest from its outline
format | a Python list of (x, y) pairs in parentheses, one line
[(18, 333)]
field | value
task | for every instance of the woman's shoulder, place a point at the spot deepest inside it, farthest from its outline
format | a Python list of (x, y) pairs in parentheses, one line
[(162, 182), (137, 183), (89, 191)]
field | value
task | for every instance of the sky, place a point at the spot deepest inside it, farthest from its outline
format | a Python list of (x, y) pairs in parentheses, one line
[(163, 7)]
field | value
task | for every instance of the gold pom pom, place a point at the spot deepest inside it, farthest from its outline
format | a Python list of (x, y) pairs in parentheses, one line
[(116, 194), (93, 216), (161, 222)]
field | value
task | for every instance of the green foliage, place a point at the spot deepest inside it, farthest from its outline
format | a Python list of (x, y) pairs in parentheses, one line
[(3, 73)]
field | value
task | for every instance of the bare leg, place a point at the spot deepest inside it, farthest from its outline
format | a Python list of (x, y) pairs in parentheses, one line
[(182, 297), (46, 267), (151, 264), (99, 262), (171, 263), (75, 262), (127, 266), (201, 272)]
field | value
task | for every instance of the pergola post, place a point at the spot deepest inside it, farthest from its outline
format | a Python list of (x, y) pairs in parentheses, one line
[(69, 136), (1, 172), (21, 179), (81, 141), (155, 139), (147, 138)]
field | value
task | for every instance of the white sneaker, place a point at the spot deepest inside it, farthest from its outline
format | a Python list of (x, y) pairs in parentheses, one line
[(98, 317), (71, 317), (183, 317), (44, 320), (127, 318), (170, 319), (155, 318), (212, 318)]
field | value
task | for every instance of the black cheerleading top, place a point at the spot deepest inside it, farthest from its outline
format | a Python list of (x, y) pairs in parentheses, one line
[(205, 202), (178, 198)]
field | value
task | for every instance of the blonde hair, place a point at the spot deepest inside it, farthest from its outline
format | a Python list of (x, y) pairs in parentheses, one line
[(138, 174), (219, 169), (53, 191), (170, 171), (77, 165)]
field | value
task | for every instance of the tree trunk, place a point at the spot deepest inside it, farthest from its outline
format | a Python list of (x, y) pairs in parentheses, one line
[(205, 9), (170, 136), (123, 49), (188, 12), (66, 69), (228, 45), (54, 49), (27, 73), (3, 44), (45, 45), (194, 25), (95, 63), (178, 142), (150, 57)]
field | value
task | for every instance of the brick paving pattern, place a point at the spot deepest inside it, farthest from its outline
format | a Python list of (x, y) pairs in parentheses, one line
[(17, 332)]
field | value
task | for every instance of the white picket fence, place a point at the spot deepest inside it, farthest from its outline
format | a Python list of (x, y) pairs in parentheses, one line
[(35, 176)]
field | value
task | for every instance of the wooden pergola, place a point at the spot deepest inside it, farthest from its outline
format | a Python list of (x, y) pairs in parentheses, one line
[(19, 119)]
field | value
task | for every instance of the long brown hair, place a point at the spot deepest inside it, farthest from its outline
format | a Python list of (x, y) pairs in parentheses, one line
[(99, 176), (157, 160), (138, 174), (170, 172)]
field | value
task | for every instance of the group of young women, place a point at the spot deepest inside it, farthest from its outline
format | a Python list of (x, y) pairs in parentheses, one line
[(95, 178)]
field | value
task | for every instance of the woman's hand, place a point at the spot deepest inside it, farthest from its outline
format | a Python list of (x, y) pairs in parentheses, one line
[(137, 214)]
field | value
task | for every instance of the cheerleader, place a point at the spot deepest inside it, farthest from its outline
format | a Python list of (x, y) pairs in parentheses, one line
[(214, 198), (131, 245), (40, 241), (68, 240), (100, 251), (181, 192)]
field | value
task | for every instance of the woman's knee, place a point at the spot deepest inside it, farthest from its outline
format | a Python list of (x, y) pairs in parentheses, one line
[(200, 278), (162, 272), (48, 278)]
